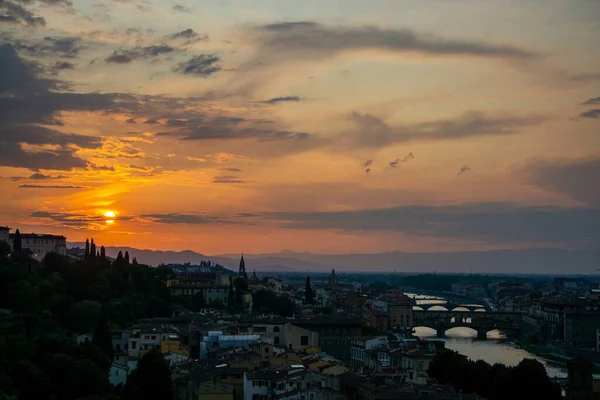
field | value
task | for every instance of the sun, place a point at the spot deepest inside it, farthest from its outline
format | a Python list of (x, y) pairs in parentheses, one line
[(110, 214)]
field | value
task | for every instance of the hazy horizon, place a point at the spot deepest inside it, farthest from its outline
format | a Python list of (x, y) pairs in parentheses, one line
[(339, 127)]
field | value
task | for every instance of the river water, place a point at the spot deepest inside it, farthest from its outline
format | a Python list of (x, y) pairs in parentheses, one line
[(496, 349)]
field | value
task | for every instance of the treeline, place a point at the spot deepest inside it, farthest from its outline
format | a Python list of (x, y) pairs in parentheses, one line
[(527, 380), (44, 307)]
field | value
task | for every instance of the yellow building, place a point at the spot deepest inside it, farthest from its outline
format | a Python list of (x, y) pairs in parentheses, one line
[(216, 390), (174, 346)]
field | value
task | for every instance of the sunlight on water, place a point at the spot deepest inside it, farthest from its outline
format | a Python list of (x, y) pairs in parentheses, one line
[(493, 350), (437, 308)]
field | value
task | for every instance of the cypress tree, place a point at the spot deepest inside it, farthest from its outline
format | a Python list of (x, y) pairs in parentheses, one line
[(102, 253), (102, 337), (92, 249), (120, 258), (308, 293), (17, 242), (87, 249), (127, 257), (134, 261)]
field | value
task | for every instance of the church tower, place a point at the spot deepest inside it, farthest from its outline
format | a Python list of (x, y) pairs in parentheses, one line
[(242, 273)]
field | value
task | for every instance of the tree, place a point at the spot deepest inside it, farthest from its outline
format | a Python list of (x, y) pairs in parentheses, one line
[(309, 296), (120, 259), (126, 257), (4, 249), (86, 254), (102, 336), (82, 316), (151, 380), (102, 253), (92, 249), (17, 242)]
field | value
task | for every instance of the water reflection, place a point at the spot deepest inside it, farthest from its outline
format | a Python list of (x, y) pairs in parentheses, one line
[(493, 350)]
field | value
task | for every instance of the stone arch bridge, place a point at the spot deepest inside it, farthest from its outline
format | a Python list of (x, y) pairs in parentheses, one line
[(482, 322)]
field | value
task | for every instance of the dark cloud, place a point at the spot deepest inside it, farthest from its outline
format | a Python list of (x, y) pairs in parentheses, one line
[(367, 163), (95, 167), (463, 169), (188, 36), (227, 179), (180, 8), (68, 47), (371, 131), (289, 41), (13, 13), (37, 177), (125, 56), (285, 99), (396, 163), (493, 222), (75, 220), (60, 65), (230, 169), (576, 178), (231, 128), (29, 186), (203, 65), (592, 101), (591, 114), (177, 218)]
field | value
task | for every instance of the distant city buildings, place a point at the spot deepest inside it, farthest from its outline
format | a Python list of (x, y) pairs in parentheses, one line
[(37, 244)]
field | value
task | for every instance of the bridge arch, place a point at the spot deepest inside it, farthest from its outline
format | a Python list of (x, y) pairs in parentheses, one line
[(437, 307)]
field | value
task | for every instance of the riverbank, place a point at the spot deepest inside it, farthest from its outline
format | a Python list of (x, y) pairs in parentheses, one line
[(557, 355)]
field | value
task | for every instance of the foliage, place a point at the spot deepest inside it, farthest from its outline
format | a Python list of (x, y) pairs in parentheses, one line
[(151, 380), (270, 303), (102, 337), (495, 382), (45, 305)]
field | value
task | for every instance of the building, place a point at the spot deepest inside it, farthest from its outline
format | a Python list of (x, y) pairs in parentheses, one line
[(269, 384), (400, 310), (335, 334), (4, 234), (598, 339), (41, 244), (581, 328), (359, 348), (211, 293), (280, 332)]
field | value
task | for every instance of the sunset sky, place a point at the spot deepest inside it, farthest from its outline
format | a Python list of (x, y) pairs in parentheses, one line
[(333, 126)]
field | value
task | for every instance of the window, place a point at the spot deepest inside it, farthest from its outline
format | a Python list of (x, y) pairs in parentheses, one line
[(224, 387), (303, 340), (276, 340), (266, 349), (118, 346), (208, 388), (133, 345), (117, 372), (276, 329), (260, 329), (153, 337)]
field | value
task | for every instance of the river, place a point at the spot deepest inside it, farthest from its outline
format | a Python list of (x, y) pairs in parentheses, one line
[(496, 349)]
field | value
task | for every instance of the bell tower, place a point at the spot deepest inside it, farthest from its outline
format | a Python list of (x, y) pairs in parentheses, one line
[(242, 272)]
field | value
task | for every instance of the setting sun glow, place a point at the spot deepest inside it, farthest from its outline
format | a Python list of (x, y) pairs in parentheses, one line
[(109, 214)]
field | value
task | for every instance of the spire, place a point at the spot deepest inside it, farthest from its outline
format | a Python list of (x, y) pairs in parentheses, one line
[(242, 271)]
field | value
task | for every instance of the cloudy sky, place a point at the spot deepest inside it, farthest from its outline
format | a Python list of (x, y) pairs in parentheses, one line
[(331, 126)]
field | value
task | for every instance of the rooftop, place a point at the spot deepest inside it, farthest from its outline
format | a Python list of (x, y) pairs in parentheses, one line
[(37, 236)]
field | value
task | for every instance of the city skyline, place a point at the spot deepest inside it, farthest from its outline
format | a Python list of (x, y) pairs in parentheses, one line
[(333, 127)]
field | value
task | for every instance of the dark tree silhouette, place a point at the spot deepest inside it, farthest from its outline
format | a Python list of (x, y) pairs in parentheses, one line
[(92, 249), (17, 242), (102, 336), (134, 261), (102, 253), (151, 380), (309, 296), (86, 254), (120, 260), (126, 257)]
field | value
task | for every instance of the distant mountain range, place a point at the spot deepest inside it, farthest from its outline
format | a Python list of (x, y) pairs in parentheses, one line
[(527, 261)]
